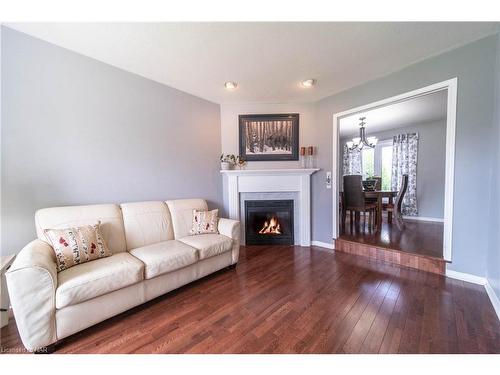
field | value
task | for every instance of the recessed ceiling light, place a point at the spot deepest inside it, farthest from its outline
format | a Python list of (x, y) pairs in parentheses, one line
[(308, 82), (230, 85)]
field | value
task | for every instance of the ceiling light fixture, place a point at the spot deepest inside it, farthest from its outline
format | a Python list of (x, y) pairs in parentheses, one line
[(362, 141), (308, 82), (230, 85)]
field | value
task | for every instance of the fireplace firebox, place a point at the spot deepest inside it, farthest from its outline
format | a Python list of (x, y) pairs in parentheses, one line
[(269, 222)]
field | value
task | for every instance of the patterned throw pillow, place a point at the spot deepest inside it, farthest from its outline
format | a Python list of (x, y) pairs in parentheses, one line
[(205, 222), (77, 245)]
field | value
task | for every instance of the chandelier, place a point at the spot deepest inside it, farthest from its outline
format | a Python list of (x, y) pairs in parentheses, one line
[(361, 141)]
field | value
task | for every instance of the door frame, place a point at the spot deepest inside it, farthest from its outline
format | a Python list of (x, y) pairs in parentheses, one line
[(451, 116)]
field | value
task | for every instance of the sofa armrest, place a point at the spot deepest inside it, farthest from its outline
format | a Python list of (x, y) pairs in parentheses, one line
[(32, 283), (231, 229)]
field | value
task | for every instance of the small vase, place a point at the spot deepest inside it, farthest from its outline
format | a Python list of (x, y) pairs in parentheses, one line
[(303, 161), (311, 161), (225, 165), (310, 158)]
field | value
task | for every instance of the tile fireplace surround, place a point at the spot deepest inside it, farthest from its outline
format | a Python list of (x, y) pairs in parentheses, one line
[(271, 184)]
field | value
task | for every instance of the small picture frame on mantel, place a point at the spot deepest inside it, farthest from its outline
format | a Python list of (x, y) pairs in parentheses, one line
[(270, 137)]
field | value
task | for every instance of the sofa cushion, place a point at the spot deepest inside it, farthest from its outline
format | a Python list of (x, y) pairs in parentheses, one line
[(209, 245), (165, 257), (181, 211), (146, 223), (204, 222), (78, 245), (109, 215), (89, 280)]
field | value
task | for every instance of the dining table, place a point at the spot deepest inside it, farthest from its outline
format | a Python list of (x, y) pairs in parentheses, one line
[(379, 195)]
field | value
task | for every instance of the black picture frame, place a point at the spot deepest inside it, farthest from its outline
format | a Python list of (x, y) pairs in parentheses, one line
[(267, 135)]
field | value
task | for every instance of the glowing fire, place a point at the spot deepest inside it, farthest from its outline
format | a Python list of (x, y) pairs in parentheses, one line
[(271, 227)]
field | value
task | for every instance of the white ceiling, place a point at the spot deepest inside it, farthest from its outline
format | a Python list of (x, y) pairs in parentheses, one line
[(427, 108), (268, 60)]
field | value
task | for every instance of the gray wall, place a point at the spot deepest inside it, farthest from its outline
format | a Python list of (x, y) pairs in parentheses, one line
[(430, 164), (77, 131), (474, 65), (493, 260)]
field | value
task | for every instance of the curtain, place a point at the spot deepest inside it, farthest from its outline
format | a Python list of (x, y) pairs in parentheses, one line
[(404, 161), (351, 161)]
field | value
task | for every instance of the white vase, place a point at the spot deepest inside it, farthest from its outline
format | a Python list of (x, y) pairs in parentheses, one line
[(225, 165)]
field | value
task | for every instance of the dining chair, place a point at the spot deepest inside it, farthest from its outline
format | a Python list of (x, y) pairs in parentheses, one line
[(378, 184), (394, 209), (354, 201)]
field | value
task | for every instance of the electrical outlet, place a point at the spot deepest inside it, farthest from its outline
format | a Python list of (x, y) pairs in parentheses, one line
[(328, 180)]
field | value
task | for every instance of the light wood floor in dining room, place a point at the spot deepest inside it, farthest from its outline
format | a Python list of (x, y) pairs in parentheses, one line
[(284, 299)]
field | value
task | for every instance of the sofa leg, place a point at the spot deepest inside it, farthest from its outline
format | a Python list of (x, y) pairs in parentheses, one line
[(232, 266), (49, 349)]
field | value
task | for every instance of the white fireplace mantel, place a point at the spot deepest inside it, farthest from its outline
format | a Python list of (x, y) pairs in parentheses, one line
[(268, 181)]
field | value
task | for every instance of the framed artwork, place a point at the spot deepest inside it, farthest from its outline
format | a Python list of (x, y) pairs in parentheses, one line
[(269, 137)]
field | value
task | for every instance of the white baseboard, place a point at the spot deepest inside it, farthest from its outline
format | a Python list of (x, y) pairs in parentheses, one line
[(423, 218), (466, 277), (493, 298), (417, 218), (495, 301), (322, 244)]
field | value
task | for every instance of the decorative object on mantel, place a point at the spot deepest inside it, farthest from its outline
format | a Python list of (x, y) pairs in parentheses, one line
[(303, 160), (311, 160), (241, 163), (362, 140), (227, 162), (269, 137)]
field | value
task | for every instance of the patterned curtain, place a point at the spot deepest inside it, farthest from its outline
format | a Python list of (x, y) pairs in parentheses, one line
[(404, 161), (351, 161)]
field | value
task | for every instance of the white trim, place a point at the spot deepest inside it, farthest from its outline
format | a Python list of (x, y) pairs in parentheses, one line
[(451, 86), (466, 277), (451, 119), (495, 301), (269, 181), (270, 172), (322, 244), (423, 218), (417, 218)]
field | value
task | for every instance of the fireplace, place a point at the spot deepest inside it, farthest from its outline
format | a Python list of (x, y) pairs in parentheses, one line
[(269, 222)]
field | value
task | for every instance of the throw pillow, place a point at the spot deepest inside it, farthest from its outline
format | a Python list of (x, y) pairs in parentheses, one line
[(77, 245), (205, 222)]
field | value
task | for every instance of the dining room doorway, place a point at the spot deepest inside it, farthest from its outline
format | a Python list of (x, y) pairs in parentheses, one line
[(394, 162)]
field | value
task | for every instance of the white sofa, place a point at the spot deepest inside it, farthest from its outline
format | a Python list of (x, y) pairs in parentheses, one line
[(153, 254)]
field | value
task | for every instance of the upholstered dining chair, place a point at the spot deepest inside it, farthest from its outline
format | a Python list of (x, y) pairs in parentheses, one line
[(354, 201), (378, 184), (394, 209)]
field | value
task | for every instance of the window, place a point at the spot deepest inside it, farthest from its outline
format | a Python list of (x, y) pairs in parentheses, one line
[(378, 162), (386, 167), (368, 162)]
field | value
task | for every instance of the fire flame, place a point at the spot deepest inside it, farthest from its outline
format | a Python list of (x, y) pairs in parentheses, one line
[(271, 227)]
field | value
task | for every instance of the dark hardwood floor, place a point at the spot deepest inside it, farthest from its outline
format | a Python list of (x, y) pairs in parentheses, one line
[(300, 300), (418, 237)]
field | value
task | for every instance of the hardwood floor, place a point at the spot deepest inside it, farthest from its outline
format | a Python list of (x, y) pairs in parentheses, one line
[(284, 299), (418, 237)]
